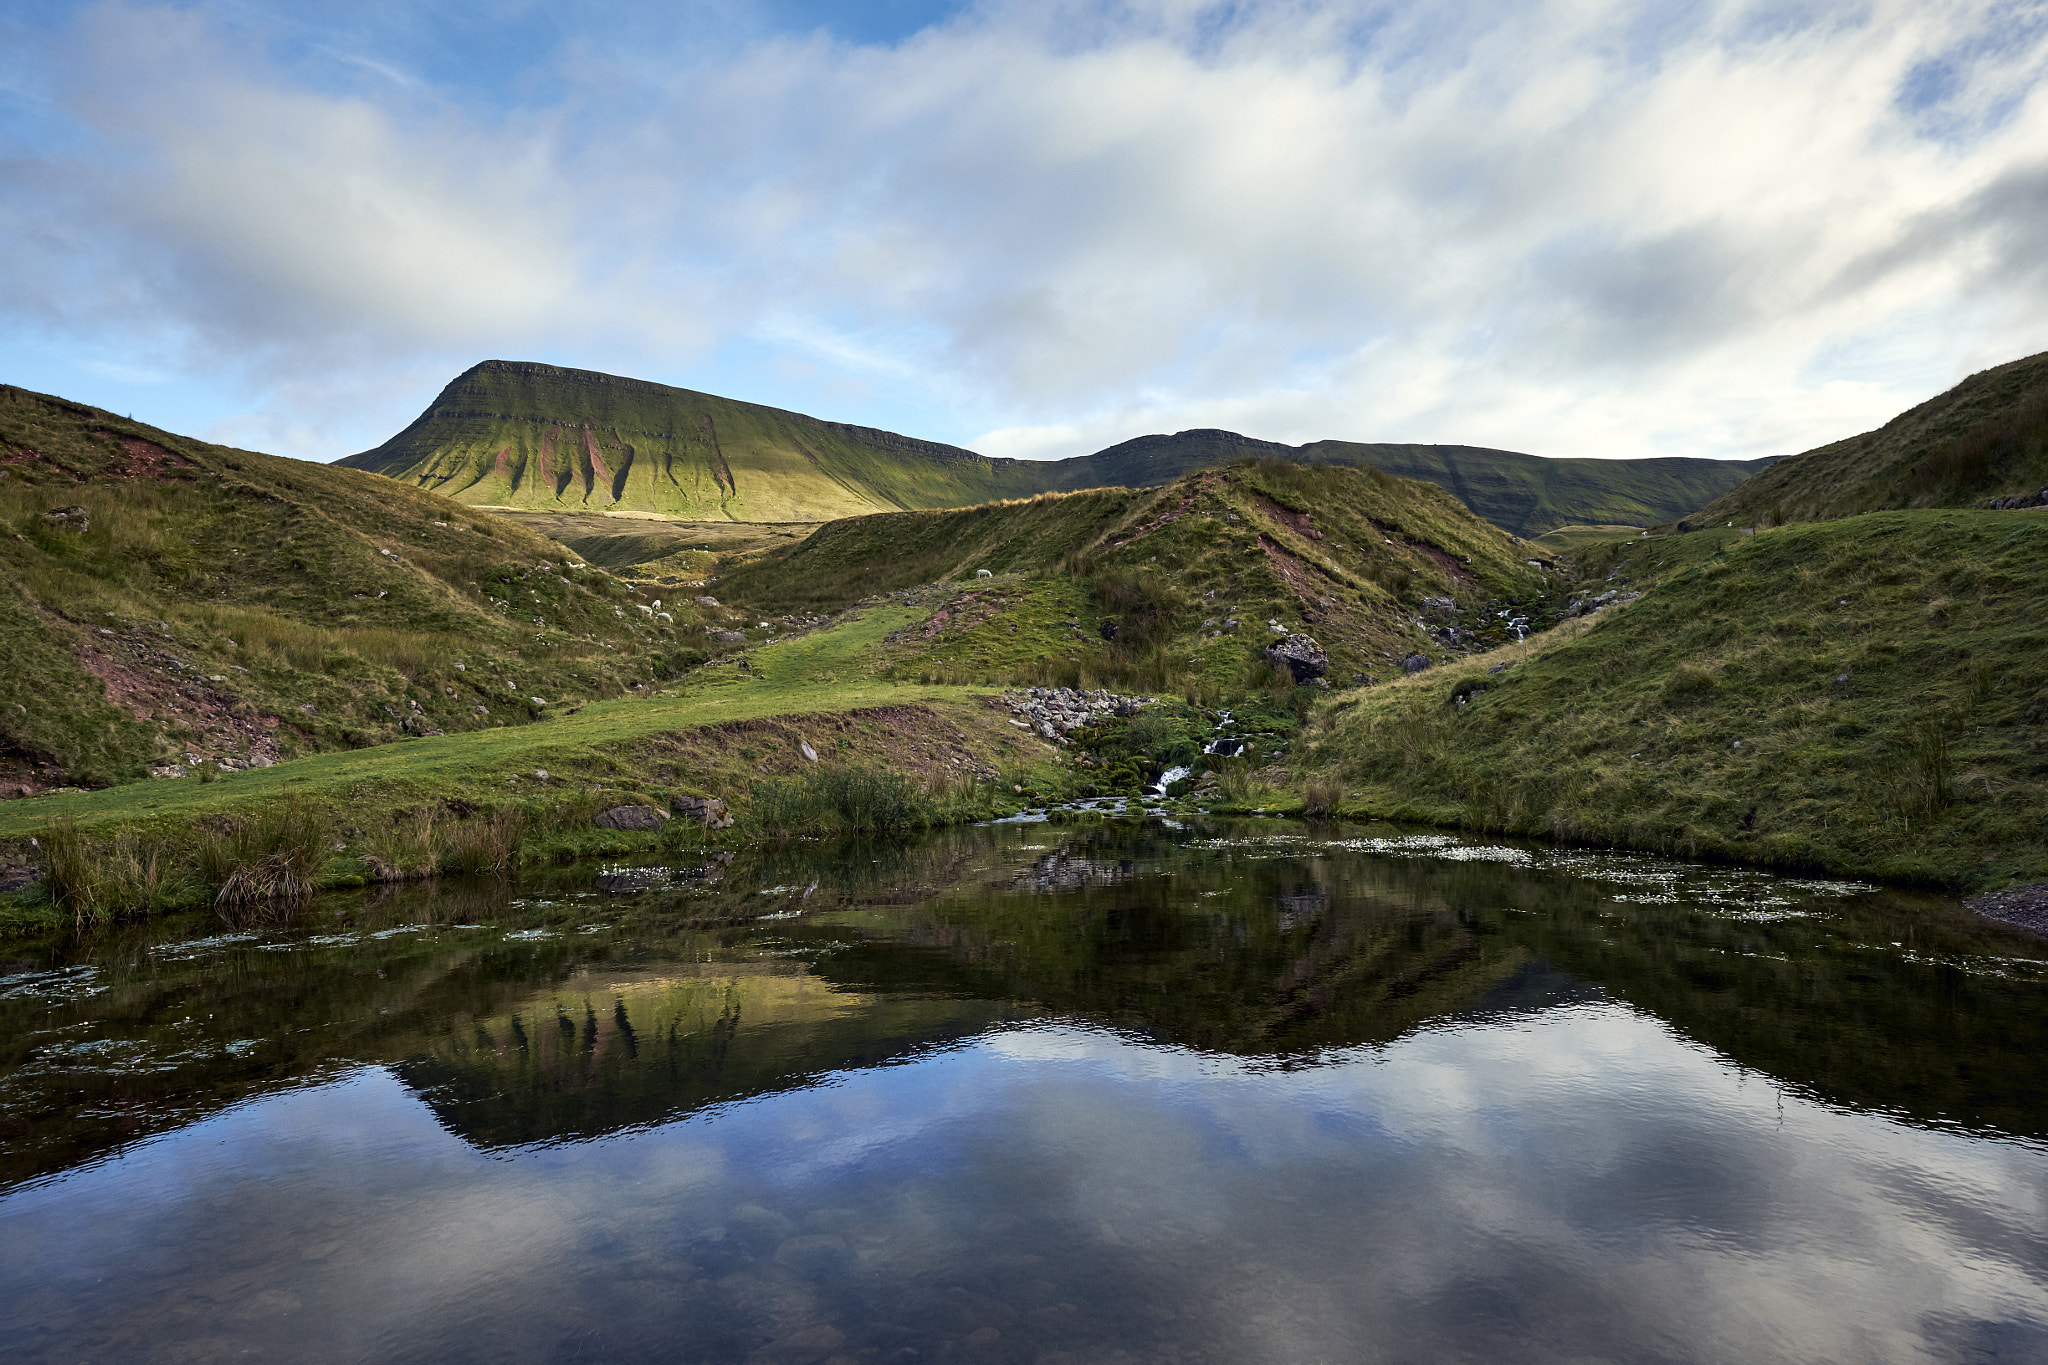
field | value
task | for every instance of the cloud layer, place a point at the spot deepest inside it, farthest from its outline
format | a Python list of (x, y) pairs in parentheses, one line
[(1576, 228)]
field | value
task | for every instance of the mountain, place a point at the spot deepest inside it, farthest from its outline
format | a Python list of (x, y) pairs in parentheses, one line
[(516, 434), (1523, 494), (1982, 443), (164, 601), (522, 435)]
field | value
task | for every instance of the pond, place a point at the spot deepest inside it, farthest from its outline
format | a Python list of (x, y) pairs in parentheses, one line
[(1233, 1092)]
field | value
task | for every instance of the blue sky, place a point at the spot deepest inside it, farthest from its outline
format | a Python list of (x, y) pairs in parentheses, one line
[(1586, 227)]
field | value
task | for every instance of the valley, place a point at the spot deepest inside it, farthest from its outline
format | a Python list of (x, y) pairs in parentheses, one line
[(199, 634)]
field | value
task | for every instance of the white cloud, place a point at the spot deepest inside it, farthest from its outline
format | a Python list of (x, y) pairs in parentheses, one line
[(1582, 227)]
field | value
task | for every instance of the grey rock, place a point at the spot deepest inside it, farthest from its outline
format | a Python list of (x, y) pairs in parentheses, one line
[(732, 637), (803, 746), (18, 879), (1301, 656), (709, 809), (1107, 630), (73, 519), (630, 817), (1415, 663)]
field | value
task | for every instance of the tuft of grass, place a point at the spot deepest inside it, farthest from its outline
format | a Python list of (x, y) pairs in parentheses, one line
[(487, 846), (271, 860)]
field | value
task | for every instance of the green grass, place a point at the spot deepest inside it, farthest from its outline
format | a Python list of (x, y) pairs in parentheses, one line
[(1863, 696), (1567, 538), (1984, 439)]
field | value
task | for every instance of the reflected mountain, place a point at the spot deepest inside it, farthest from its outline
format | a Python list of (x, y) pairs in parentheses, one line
[(554, 1013)]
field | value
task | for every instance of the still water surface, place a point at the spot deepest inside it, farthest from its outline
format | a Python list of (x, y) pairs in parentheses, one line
[(1233, 1093)]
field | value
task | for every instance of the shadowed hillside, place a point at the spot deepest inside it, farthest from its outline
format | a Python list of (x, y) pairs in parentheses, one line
[(1983, 442), (1863, 695), (540, 437), (167, 601)]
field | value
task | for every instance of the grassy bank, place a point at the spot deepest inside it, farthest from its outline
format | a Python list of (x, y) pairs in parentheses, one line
[(1862, 696), (419, 806)]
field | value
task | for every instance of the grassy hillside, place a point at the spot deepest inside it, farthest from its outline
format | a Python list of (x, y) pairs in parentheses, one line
[(1865, 695), (242, 608), (1185, 578), (1984, 441), (518, 434)]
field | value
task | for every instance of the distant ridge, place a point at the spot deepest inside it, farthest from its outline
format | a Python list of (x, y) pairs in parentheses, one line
[(521, 434)]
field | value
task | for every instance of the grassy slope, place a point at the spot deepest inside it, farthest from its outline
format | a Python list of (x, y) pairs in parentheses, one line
[(239, 605), (517, 434), (1985, 439), (1230, 542), (1863, 695)]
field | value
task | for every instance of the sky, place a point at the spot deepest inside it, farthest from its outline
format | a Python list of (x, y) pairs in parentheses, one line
[(1569, 227)]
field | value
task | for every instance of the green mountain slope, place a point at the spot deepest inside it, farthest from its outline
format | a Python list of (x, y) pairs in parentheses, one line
[(1175, 587), (1864, 695), (1983, 442), (516, 434), (541, 437), (164, 601)]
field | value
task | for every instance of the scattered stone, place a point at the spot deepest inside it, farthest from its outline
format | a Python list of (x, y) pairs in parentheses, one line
[(630, 817), (76, 520), (540, 774), (804, 747), (2024, 906), (708, 809), (536, 701), (1301, 656), (1056, 712), (707, 601)]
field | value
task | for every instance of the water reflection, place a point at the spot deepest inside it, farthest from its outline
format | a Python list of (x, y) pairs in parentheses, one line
[(1230, 1094)]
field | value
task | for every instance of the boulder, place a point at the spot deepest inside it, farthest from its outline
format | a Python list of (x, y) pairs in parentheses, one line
[(1415, 663), (1301, 656), (708, 809), (630, 817)]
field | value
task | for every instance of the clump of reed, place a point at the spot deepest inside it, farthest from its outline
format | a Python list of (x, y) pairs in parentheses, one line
[(125, 875), (487, 846), (828, 801), (270, 861), (1319, 799)]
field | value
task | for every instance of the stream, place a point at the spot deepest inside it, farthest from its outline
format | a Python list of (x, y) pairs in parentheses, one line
[(1229, 1091)]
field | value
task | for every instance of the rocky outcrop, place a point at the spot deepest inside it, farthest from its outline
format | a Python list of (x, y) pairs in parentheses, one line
[(708, 809), (1056, 712), (1301, 656), (630, 817)]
